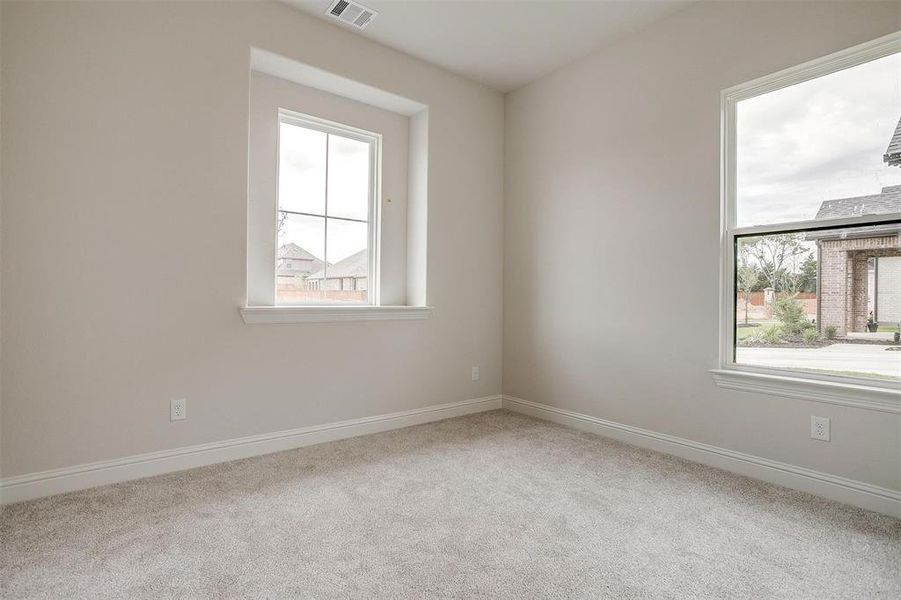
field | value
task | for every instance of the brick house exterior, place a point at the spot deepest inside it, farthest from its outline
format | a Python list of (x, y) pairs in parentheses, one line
[(847, 286), (843, 288)]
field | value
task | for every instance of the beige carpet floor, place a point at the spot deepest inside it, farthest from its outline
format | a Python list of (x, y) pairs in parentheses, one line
[(495, 505)]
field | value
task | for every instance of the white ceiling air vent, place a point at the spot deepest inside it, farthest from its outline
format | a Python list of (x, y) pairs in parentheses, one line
[(351, 13)]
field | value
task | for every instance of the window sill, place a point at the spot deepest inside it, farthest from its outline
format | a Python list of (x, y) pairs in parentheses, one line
[(320, 314), (881, 399)]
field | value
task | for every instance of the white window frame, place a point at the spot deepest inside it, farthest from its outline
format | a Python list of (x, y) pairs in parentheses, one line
[(863, 393), (374, 215)]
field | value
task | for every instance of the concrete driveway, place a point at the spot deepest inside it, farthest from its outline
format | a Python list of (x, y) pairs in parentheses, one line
[(858, 358)]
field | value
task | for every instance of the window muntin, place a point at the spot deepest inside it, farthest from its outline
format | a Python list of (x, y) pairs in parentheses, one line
[(812, 203), (327, 212)]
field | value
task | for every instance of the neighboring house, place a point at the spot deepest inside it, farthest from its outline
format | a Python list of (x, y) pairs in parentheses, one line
[(294, 264), (350, 274), (892, 154), (860, 271)]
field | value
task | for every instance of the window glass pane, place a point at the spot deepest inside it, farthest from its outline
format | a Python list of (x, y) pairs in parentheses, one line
[(824, 139), (299, 264), (348, 178), (826, 301), (301, 169), (348, 257)]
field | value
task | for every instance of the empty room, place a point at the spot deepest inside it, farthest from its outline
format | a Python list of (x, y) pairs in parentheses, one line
[(450, 299)]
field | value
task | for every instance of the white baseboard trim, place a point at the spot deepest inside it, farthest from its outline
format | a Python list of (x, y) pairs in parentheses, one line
[(841, 489), (79, 477)]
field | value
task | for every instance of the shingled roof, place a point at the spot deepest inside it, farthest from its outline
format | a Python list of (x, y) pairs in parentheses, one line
[(355, 265), (893, 152), (889, 201), (292, 250)]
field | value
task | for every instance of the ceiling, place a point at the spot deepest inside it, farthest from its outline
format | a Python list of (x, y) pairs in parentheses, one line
[(502, 43)]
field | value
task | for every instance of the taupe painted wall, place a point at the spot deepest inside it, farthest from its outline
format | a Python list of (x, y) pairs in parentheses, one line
[(124, 152), (612, 194), (125, 143)]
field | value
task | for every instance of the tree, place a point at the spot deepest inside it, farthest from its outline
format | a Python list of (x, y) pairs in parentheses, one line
[(809, 274), (746, 280), (791, 278), (790, 313), (777, 258)]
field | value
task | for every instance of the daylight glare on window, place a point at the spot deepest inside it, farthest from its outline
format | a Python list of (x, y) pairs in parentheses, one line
[(324, 206), (822, 297)]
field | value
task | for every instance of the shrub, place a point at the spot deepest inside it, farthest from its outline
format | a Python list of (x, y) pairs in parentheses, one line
[(755, 337), (772, 334), (791, 314), (811, 335), (831, 330)]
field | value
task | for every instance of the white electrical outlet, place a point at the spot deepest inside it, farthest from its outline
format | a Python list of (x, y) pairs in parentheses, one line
[(178, 409), (819, 428), (475, 373)]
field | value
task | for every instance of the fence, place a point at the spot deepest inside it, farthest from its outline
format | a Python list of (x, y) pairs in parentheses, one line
[(291, 294), (757, 298), (758, 311)]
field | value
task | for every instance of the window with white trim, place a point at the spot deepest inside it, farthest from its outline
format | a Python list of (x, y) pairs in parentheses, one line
[(294, 201), (327, 222), (812, 220)]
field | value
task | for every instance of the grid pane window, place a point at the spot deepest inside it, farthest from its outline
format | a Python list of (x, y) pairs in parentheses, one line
[(348, 178), (815, 232), (325, 213), (301, 246), (301, 169)]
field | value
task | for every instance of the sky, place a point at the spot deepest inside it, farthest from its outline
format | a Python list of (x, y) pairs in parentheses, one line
[(302, 188), (818, 140)]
